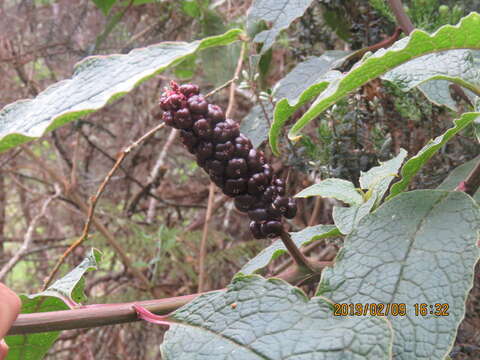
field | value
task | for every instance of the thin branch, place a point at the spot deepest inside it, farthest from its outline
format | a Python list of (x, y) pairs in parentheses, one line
[(28, 239), (471, 184), (295, 252), (203, 245), (94, 200), (154, 174), (77, 200), (402, 18), (231, 97)]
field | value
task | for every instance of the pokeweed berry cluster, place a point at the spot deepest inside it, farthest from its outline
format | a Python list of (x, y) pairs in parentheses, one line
[(229, 159)]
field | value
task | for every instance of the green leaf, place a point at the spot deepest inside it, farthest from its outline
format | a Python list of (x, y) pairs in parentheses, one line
[(104, 5), (280, 13), (413, 165), (304, 82), (96, 81), (431, 72), (419, 247), (259, 319), (346, 218), (255, 126), (465, 35), (378, 178), (459, 174), (62, 295), (339, 189), (300, 238)]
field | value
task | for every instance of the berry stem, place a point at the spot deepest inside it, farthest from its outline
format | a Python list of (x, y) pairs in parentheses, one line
[(295, 253)]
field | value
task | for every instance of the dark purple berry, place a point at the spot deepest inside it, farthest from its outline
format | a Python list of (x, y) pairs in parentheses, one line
[(268, 171), (244, 202), (255, 230), (214, 167), (204, 150), (177, 101), (197, 104), (224, 151), (189, 140), (273, 212), (279, 182), (281, 203), (257, 184), (183, 119), (203, 129), (233, 129), (269, 194), (235, 187), (271, 229), (215, 113), (165, 103), (255, 161), (258, 214), (242, 146), (236, 168), (291, 209), (167, 117), (189, 89)]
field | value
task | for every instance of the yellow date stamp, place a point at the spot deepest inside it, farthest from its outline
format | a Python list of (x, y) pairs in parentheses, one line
[(389, 309)]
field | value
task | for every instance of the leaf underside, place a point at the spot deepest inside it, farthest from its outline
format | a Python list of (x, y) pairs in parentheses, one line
[(96, 81), (389, 257), (270, 319)]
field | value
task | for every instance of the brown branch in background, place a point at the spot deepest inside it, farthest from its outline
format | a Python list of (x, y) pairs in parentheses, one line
[(77, 199), (155, 173), (402, 18), (28, 239), (231, 96), (203, 244), (471, 184), (94, 200)]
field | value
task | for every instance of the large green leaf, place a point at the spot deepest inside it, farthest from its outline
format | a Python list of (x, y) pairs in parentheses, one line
[(462, 36), (339, 189), (434, 72), (258, 319), (300, 238), (255, 126), (96, 81), (459, 174), (304, 82), (280, 13), (414, 164), (62, 295), (418, 248), (346, 218)]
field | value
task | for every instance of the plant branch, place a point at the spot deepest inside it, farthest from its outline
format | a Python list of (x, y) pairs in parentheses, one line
[(471, 184), (28, 239), (203, 244), (299, 258), (93, 315), (402, 18), (77, 199), (94, 200)]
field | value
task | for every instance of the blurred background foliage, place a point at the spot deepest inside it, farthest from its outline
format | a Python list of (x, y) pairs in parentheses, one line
[(159, 220)]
